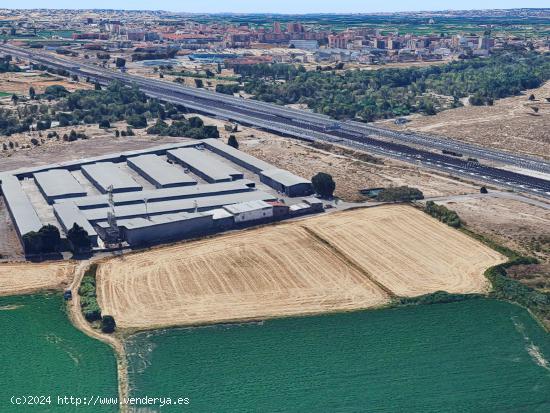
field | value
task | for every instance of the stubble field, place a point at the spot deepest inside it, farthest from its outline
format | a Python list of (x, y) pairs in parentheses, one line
[(24, 278), (342, 261)]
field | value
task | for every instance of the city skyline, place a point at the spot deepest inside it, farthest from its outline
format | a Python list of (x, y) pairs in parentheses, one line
[(282, 6)]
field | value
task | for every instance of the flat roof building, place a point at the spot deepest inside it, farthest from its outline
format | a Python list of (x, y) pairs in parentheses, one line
[(239, 157), (58, 184), (21, 210), (204, 164), (68, 214), (166, 194), (159, 172), (105, 174), (180, 205), (286, 182)]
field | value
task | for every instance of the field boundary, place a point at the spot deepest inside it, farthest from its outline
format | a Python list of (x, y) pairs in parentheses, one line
[(354, 264)]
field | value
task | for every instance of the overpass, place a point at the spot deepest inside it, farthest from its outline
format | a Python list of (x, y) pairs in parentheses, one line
[(316, 127)]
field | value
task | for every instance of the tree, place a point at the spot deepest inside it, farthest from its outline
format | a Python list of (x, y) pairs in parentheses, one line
[(51, 238), (97, 86), (32, 242), (531, 97), (483, 190), (79, 239), (32, 93), (108, 324), (232, 141), (117, 133), (535, 109), (120, 62), (323, 184), (199, 84), (104, 124), (137, 121), (14, 99)]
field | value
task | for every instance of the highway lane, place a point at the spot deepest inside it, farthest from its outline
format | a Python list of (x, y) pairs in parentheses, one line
[(305, 125)]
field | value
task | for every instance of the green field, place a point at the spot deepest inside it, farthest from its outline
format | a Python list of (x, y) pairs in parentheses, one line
[(472, 356), (43, 354)]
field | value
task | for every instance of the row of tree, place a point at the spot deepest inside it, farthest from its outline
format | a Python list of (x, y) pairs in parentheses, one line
[(388, 93)]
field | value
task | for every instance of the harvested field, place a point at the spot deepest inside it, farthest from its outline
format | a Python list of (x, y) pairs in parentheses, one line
[(20, 82), (342, 261), (24, 278), (408, 251), (272, 271)]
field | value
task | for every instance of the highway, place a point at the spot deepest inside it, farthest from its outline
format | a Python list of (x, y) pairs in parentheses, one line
[(315, 127)]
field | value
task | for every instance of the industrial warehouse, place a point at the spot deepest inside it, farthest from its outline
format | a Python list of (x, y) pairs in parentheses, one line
[(164, 193)]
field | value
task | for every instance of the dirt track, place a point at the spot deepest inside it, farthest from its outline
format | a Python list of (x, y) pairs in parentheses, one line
[(24, 278), (349, 260)]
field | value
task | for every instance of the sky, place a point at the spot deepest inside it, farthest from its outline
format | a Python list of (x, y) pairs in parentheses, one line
[(277, 6)]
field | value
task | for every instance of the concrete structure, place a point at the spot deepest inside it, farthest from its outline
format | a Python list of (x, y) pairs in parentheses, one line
[(22, 212), (58, 184), (205, 165), (68, 214), (250, 211), (105, 174), (286, 182), (159, 172)]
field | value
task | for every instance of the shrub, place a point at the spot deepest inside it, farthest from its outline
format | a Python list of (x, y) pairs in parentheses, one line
[(399, 194), (108, 324), (323, 184)]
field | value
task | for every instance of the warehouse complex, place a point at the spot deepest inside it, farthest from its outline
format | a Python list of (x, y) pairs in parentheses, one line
[(164, 193)]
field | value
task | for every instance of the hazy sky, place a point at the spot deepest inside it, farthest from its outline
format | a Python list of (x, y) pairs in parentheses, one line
[(277, 6)]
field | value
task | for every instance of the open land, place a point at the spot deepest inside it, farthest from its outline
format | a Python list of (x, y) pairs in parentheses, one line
[(342, 261), (349, 169), (510, 124), (25, 278), (20, 82)]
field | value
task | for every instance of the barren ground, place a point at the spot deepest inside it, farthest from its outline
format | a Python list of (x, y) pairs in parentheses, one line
[(342, 261), (510, 124), (517, 225), (349, 171), (24, 278), (20, 82)]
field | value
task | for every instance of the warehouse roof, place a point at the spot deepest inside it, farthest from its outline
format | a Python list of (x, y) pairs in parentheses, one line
[(165, 194), (249, 161), (205, 162), (139, 222), (104, 174), (179, 205), (248, 206), (159, 172), (68, 214), (23, 213), (57, 183), (284, 177)]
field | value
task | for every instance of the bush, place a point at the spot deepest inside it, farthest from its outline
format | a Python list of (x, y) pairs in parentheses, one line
[(87, 291), (108, 324), (399, 194), (104, 124), (137, 121), (443, 214), (323, 184)]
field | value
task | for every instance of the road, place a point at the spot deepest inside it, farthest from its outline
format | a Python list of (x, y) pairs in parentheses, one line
[(315, 127)]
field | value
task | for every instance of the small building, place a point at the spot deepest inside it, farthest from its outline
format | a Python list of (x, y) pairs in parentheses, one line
[(250, 211), (286, 182)]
